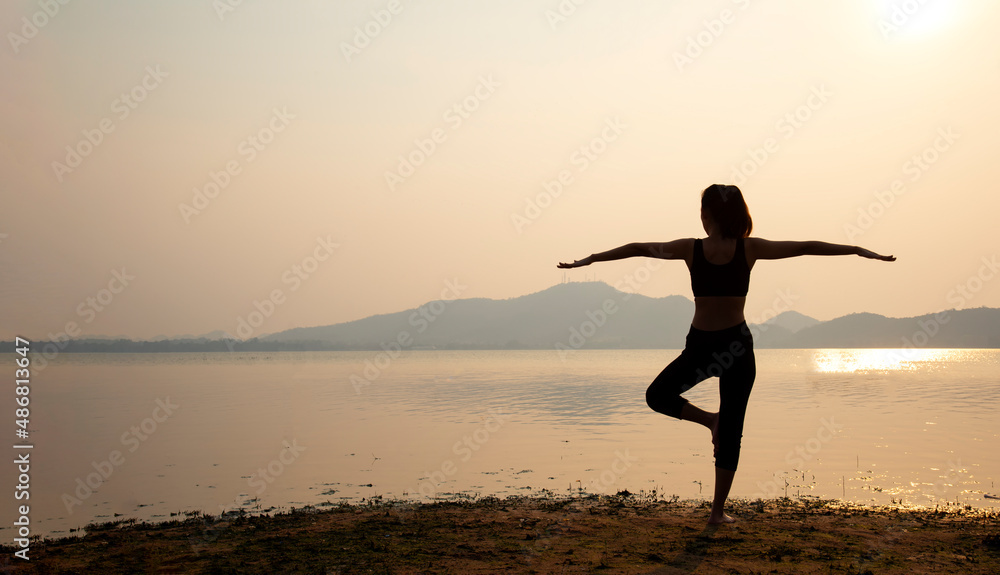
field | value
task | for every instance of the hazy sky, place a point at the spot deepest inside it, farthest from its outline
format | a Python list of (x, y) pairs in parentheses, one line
[(191, 158)]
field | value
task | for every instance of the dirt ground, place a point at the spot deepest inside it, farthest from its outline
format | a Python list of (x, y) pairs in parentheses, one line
[(593, 534)]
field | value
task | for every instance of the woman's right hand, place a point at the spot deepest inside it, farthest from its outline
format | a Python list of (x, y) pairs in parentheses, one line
[(872, 255), (576, 264)]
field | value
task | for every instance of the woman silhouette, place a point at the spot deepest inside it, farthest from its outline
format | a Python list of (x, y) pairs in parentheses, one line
[(719, 343)]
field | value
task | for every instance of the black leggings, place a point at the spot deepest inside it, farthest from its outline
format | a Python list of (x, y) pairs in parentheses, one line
[(726, 354)]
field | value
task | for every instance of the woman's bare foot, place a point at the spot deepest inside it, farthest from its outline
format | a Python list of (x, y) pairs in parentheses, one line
[(713, 520)]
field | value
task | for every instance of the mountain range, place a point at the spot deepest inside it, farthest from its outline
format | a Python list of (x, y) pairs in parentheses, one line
[(596, 315), (583, 315)]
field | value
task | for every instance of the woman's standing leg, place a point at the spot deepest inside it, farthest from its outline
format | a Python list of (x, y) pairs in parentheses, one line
[(723, 483), (734, 393)]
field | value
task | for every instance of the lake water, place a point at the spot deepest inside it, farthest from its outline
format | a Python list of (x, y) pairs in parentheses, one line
[(147, 435)]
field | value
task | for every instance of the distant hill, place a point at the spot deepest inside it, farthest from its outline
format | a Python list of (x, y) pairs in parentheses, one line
[(212, 335), (777, 331), (579, 315), (970, 328), (792, 321), (564, 313)]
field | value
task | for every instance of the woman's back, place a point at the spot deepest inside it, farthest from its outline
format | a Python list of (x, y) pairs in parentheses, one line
[(720, 277)]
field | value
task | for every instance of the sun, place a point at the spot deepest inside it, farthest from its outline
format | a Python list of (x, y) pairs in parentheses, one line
[(900, 19)]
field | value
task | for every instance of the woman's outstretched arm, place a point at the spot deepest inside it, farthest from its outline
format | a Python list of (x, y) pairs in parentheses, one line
[(761, 249), (675, 250)]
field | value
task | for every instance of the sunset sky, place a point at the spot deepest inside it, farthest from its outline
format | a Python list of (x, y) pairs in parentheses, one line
[(191, 158)]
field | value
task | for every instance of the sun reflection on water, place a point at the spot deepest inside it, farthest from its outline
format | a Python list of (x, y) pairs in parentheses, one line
[(861, 360)]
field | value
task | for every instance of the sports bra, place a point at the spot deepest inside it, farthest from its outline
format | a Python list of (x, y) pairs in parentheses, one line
[(729, 279)]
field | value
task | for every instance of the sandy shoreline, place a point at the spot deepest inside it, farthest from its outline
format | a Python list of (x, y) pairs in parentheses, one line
[(605, 534)]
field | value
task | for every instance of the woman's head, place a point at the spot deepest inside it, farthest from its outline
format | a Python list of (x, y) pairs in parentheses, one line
[(725, 207)]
